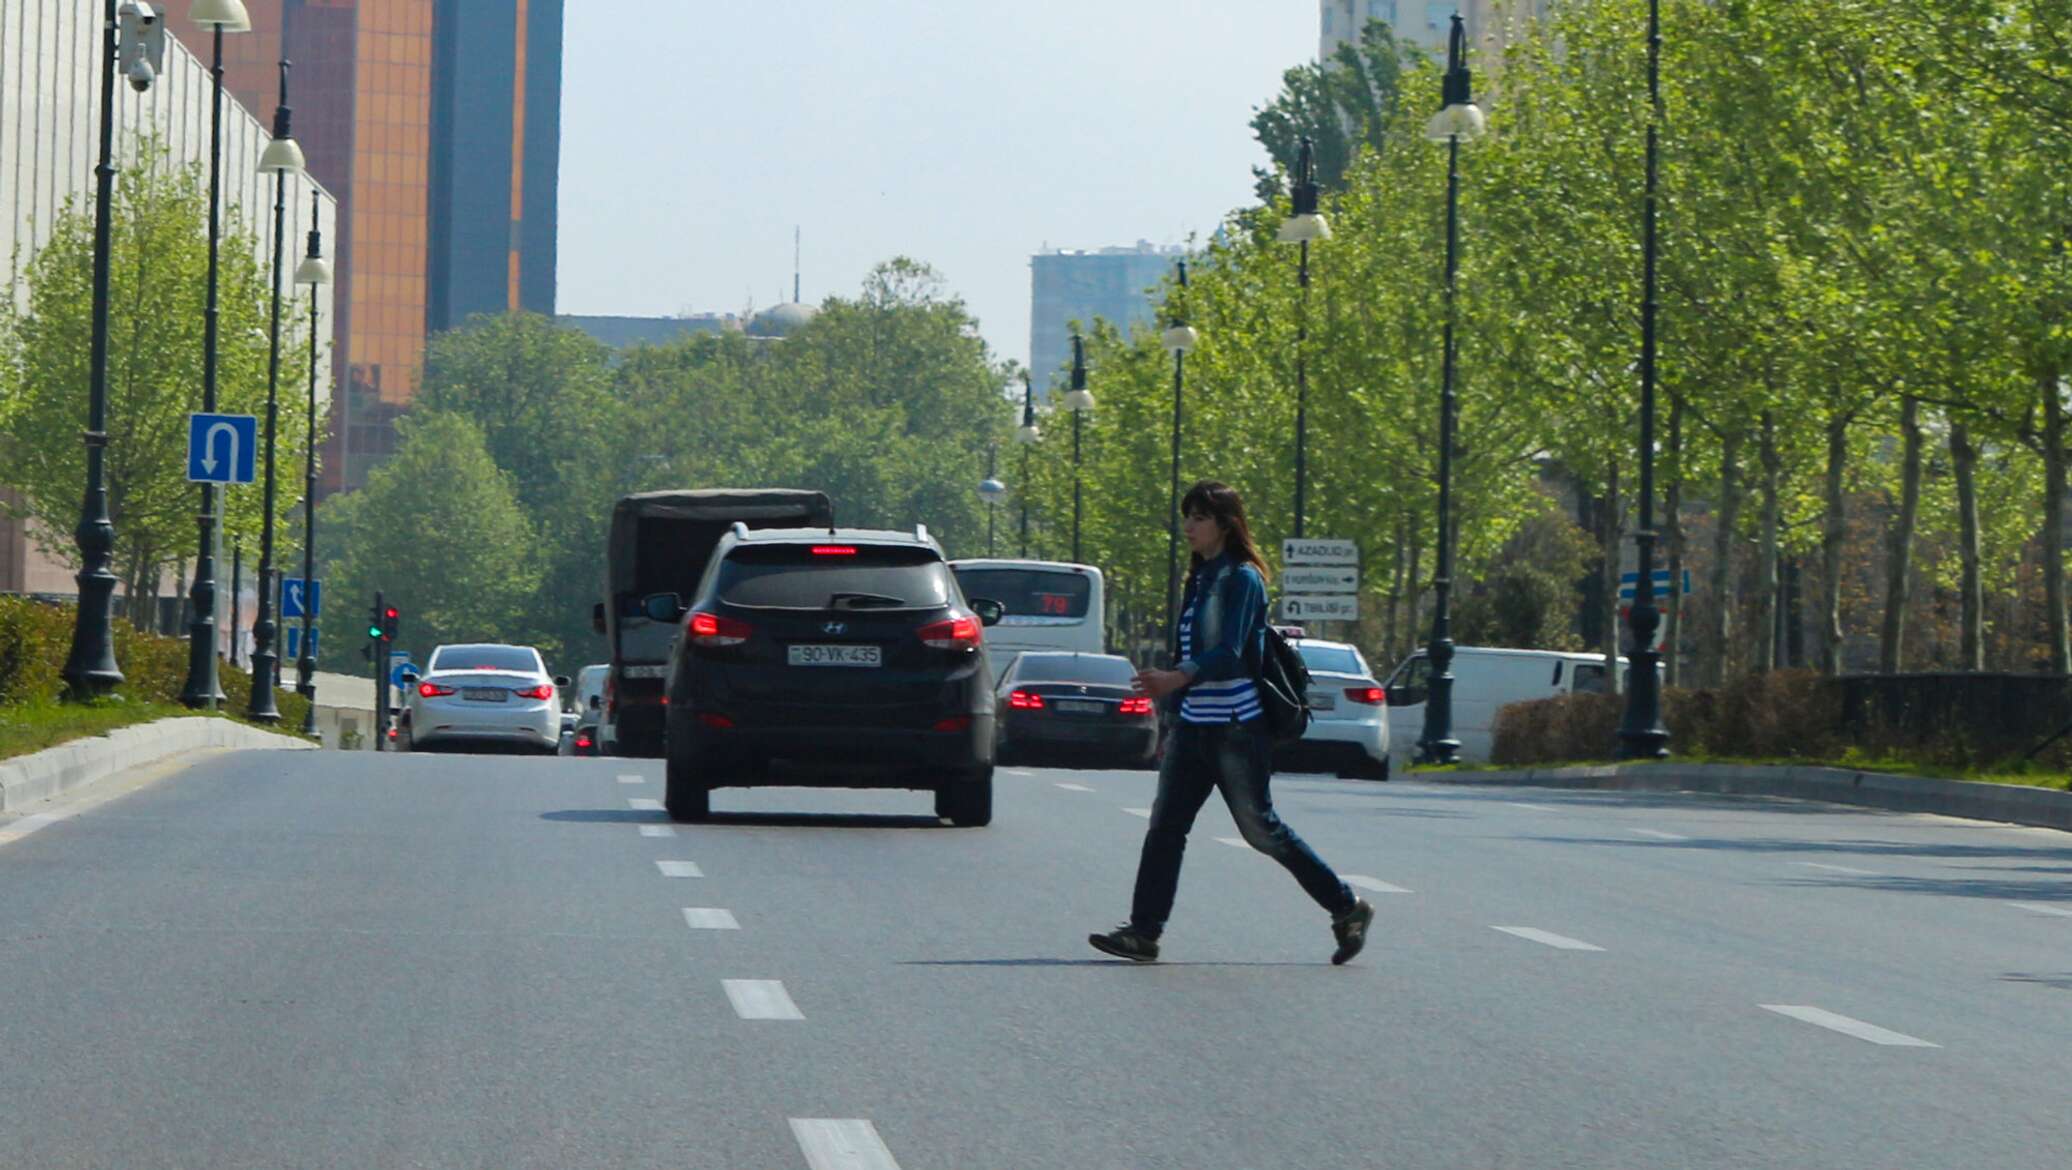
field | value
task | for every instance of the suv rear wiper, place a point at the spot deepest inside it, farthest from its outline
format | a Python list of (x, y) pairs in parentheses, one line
[(864, 601)]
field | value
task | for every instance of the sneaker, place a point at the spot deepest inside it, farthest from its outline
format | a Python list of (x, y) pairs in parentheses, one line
[(1350, 929), (1126, 942)]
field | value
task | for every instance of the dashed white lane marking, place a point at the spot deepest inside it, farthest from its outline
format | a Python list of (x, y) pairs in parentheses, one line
[(1238, 842), (1838, 868), (709, 918), (1846, 1026), (1659, 835), (1533, 807), (841, 1144), (1562, 942), (1374, 885), (1138, 812), (679, 869), (658, 830), (2040, 908), (629, 777), (644, 804), (761, 999), (1073, 787)]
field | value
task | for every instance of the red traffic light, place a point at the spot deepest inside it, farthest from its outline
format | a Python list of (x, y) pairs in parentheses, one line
[(390, 613)]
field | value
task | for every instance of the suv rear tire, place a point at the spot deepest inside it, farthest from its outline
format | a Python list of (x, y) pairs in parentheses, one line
[(967, 800), (686, 798)]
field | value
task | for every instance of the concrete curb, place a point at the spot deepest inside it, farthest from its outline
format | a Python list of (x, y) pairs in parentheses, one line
[(40, 776), (2044, 808)]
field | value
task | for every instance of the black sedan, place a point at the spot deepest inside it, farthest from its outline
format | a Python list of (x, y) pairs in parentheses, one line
[(1077, 706)]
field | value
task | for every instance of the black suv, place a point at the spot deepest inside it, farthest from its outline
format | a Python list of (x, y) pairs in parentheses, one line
[(832, 658)]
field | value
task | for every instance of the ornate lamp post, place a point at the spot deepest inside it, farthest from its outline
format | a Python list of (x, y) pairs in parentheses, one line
[(1305, 224), (1457, 118), (201, 688), (1180, 338), (132, 37), (313, 272), (1078, 400), (992, 491), (1641, 734), (283, 157), (1026, 435)]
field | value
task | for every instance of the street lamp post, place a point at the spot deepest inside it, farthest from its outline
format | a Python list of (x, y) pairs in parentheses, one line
[(1026, 435), (1457, 118), (283, 157), (134, 38), (1078, 400), (201, 688), (314, 272), (1641, 734), (992, 491), (1304, 224), (1181, 338)]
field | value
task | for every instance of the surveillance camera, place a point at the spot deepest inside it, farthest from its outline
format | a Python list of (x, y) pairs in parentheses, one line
[(140, 75)]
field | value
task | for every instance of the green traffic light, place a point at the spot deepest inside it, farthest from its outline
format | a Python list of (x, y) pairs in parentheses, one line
[(374, 631)]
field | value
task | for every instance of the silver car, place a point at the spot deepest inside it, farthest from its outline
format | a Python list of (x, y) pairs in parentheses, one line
[(482, 694), (1349, 728)]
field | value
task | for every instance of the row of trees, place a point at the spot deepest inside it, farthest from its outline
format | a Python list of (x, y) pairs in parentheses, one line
[(1865, 348), (157, 288)]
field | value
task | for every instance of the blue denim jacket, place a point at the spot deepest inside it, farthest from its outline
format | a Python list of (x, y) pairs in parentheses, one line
[(1229, 601)]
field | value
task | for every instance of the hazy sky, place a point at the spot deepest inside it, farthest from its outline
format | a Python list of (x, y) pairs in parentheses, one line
[(965, 133)]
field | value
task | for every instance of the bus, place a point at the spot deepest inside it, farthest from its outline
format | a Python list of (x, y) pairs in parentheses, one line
[(1050, 605)]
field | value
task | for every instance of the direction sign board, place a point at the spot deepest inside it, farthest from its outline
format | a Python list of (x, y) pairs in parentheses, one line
[(399, 661), (1326, 607), (295, 593), (295, 642), (1320, 579), (222, 448), (1308, 551)]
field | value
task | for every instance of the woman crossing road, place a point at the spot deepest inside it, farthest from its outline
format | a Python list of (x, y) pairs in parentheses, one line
[(1218, 739)]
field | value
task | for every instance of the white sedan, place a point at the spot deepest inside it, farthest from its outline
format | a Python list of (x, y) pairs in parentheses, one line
[(482, 694)]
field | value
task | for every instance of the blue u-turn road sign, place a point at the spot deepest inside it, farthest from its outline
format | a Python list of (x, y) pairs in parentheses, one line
[(299, 596), (295, 642), (222, 448)]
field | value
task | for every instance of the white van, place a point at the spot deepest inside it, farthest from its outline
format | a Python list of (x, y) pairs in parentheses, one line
[(1051, 605), (1485, 680)]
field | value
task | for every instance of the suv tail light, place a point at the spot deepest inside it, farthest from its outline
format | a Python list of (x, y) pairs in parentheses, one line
[(710, 629), (433, 690), (543, 691), (834, 550), (1372, 696), (960, 633), (1025, 701), (1138, 706)]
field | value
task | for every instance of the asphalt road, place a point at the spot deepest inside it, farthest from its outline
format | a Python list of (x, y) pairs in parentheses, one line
[(350, 960)]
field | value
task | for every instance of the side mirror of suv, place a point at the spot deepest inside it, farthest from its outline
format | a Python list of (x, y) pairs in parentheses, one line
[(597, 702), (662, 607), (561, 680), (989, 611)]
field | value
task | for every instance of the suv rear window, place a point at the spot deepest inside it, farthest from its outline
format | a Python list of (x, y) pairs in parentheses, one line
[(793, 576), (1332, 659), (1098, 669), (486, 658), (1030, 592)]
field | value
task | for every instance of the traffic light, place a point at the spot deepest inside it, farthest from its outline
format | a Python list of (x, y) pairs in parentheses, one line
[(374, 622), (389, 621)]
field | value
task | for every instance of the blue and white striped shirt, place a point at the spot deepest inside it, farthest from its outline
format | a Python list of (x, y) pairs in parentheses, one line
[(1221, 701)]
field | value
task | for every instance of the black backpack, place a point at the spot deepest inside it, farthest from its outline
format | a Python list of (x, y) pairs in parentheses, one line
[(1283, 681)]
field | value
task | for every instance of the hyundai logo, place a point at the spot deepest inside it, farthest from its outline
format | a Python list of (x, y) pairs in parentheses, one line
[(835, 628)]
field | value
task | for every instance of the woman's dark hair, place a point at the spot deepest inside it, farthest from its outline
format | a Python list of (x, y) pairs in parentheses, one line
[(1221, 503)]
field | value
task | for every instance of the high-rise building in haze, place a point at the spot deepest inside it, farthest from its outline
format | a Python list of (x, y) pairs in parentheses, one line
[(1114, 284), (1490, 23), (437, 124)]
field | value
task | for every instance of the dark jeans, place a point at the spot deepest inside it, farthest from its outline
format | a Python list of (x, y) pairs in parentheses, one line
[(1237, 758)]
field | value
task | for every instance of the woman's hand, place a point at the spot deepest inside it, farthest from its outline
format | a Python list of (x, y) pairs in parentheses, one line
[(1160, 683)]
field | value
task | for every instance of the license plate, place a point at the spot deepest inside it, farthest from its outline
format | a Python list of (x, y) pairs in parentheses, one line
[(1325, 702), (835, 655), (1081, 706), (485, 694)]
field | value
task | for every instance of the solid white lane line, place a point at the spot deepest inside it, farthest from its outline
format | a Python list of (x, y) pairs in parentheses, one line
[(2040, 908), (841, 1144), (1138, 812), (761, 999), (629, 777), (709, 918), (658, 830), (1838, 868), (1238, 842), (1073, 787), (1373, 885), (1846, 1026), (1561, 942), (1659, 835), (1533, 807), (644, 804), (679, 868)]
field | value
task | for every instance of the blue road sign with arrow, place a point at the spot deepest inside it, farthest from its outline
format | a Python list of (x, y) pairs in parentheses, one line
[(295, 642), (299, 596), (222, 448)]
